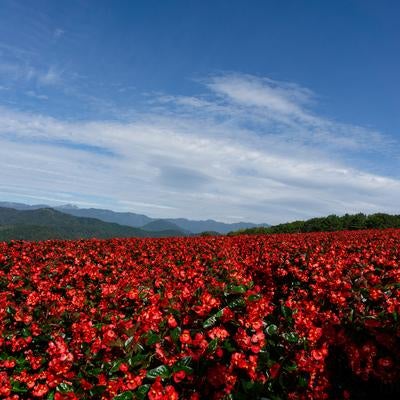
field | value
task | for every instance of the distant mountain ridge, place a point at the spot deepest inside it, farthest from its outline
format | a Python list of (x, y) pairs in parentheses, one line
[(210, 225), (139, 220), (162, 225), (47, 223), (128, 219)]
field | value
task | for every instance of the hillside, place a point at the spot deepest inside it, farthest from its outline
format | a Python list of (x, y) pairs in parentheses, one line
[(163, 225), (46, 223), (122, 218), (139, 220), (211, 225), (329, 224)]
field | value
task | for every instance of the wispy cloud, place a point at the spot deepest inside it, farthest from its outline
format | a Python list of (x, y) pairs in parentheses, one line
[(247, 146), (32, 93), (20, 66), (286, 109), (58, 33), (264, 93), (50, 77), (28, 74), (7, 50)]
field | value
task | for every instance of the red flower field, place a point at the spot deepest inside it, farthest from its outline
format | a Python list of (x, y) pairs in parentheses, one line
[(301, 316)]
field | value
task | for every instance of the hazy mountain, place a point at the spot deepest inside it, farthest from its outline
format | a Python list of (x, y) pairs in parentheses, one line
[(211, 225), (47, 223), (163, 225), (140, 220), (22, 206), (122, 218)]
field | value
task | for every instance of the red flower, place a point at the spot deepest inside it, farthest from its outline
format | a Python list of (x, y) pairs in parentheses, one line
[(172, 321), (156, 391), (185, 337), (5, 385), (385, 362), (40, 390), (179, 376), (274, 370)]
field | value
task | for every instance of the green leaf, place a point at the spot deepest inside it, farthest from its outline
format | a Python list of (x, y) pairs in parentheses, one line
[(247, 385), (138, 348), (302, 381), (286, 311), (141, 392), (291, 367), (50, 395), (291, 337), (128, 395), (64, 387), (94, 372), (25, 332), (96, 391), (271, 330), (185, 360), (239, 302), (18, 387), (212, 346), (254, 297), (228, 346), (161, 371), (136, 360), (10, 310), (128, 341), (175, 334), (188, 370), (238, 289), (212, 320), (183, 365), (153, 338), (270, 362), (115, 366)]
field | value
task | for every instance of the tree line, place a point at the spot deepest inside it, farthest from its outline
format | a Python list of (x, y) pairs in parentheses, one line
[(329, 224)]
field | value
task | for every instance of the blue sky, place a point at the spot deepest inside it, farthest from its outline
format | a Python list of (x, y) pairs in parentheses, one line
[(265, 111)]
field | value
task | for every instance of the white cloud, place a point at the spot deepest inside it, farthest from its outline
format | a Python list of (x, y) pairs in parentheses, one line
[(28, 74), (251, 147), (24, 67), (58, 33), (250, 91), (51, 77), (32, 93)]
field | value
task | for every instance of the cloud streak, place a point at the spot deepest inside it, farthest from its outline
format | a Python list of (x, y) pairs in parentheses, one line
[(17, 65), (246, 146)]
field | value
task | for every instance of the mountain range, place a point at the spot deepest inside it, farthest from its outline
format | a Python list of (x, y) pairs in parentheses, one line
[(47, 223), (185, 226)]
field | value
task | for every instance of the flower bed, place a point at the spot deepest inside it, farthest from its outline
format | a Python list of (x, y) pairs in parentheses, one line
[(301, 316)]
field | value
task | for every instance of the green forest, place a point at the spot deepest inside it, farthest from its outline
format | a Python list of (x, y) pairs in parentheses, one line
[(329, 224)]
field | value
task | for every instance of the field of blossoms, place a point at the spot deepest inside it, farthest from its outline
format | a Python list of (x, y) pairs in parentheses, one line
[(301, 316)]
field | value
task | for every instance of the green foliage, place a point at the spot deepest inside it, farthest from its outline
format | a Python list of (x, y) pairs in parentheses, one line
[(46, 223), (161, 371), (124, 396), (209, 233), (329, 224)]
